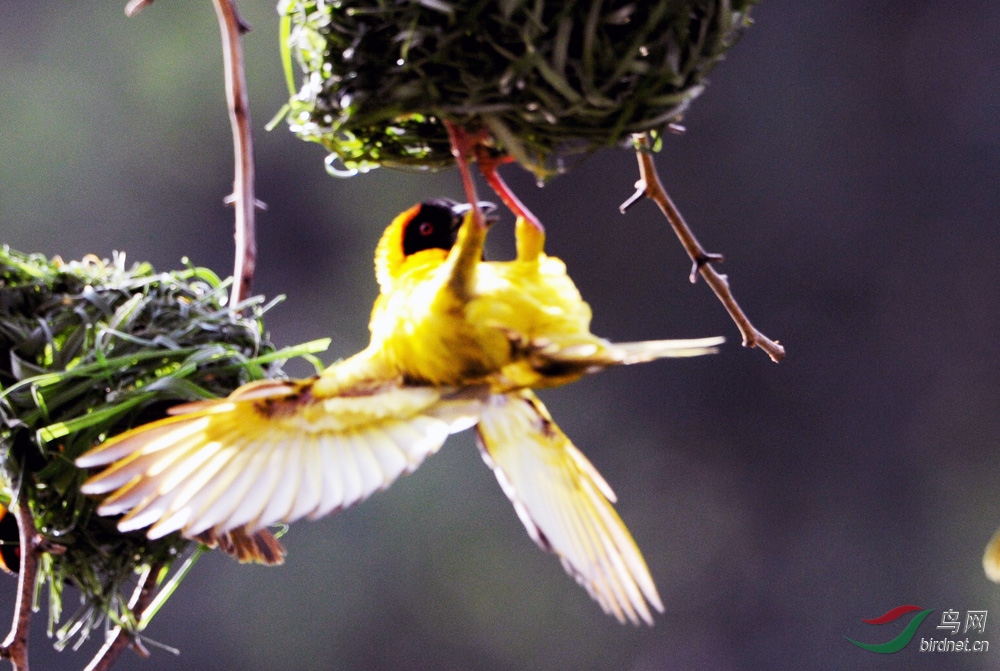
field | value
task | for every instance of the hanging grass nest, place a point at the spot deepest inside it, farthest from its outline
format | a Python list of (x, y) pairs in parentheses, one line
[(547, 79), (87, 350)]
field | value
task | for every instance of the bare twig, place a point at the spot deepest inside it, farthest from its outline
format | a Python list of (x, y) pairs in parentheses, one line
[(232, 27), (117, 641), (650, 186), (15, 646)]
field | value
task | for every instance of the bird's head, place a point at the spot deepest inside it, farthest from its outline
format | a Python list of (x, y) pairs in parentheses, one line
[(423, 233)]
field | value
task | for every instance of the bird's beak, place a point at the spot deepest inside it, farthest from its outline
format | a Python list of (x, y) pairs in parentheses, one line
[(459, 210)]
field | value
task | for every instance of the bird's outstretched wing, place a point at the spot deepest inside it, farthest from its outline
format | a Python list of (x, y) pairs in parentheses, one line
[(271, 453), (565, 504)]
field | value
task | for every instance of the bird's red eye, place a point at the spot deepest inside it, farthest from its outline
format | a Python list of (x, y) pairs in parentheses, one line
[(426, 228)]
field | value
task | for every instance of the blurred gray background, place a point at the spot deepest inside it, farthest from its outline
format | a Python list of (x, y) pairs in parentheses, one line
[(845, 159)]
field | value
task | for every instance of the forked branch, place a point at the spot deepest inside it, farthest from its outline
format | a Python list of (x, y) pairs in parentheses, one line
[(650, 186)]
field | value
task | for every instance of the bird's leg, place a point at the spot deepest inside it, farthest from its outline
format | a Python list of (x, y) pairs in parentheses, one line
[(529, 232), (467, 252), (529, 239), (488, 164), (461, 148)]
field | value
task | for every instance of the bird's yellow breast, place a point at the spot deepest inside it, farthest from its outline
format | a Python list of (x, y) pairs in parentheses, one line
[(427, 334)]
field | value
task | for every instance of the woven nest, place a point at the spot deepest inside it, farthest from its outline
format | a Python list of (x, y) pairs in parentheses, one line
[(89, 349), (547, 79)]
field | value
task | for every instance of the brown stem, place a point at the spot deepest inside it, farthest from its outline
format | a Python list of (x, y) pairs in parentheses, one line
[(117, 641), (232, 27), (15, 646), (650, 185)]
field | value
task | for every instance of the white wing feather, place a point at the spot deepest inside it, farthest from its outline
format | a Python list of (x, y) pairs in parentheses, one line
[(565, 504), (270, 458)]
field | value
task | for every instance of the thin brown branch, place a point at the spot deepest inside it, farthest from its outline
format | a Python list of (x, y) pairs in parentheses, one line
[(649, 185), (15, 646), (232, 27), (117, 640)]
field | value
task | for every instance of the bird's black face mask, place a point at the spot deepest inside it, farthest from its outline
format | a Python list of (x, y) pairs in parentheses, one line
[(436, 224)]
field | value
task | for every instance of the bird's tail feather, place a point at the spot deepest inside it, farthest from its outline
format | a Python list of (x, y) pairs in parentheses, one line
[(627, 353), (561, 359), (260, 547)]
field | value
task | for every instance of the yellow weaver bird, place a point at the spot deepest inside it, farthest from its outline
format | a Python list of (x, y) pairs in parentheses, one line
[(456, 342)]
